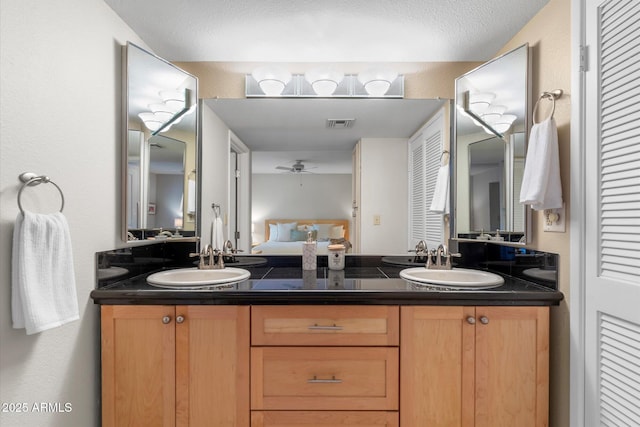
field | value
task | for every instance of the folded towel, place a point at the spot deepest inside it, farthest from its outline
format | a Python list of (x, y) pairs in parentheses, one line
[(217, 234), (440, 201), (43, 288), (541, 186)]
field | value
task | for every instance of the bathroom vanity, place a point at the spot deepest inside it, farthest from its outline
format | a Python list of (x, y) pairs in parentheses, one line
[(358, 347)]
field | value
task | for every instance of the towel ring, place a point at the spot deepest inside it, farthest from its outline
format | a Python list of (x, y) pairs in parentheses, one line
[(31, 179), (551, 96)]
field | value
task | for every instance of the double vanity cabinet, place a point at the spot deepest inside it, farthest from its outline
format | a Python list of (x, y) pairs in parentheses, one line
[(324, 365)]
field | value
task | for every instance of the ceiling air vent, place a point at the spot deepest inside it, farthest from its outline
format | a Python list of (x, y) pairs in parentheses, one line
[(340, 123)]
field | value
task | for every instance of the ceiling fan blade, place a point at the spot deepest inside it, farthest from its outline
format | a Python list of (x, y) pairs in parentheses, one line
[(284, 168)]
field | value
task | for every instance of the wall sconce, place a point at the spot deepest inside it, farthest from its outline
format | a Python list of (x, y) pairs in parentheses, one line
[(489, 117), (324, 81), (150, 120), (493, 113), (174, 100), (175, 103), (503, 124), (377, 81), (480, 102), (272, 79)]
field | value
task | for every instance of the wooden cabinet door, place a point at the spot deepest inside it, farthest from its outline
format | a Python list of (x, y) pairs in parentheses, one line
[(212, 366), (138, 366), (512, 366), (474, 366), (437, 366)]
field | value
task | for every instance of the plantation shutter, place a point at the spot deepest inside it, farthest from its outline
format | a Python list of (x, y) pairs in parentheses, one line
[(620, 141), (425, 153)]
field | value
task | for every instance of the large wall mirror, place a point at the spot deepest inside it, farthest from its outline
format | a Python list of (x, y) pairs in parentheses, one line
[(492, 121), (303, 168), (159, 196)]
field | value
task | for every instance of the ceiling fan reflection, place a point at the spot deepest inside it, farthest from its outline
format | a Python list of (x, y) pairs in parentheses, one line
[(297, 167)]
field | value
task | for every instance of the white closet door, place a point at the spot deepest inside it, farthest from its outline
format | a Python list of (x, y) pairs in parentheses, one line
[(612, 277), (425, 150)]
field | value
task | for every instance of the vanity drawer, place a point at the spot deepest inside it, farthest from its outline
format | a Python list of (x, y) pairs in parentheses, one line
[(325, 325), (324, 419), (324, 378)]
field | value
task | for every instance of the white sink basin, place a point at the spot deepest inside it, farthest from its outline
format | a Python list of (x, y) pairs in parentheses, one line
[(185, 278), (458, 278)]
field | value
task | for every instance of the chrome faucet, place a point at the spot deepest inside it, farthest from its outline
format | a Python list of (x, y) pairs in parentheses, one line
[(440, 258), (421, 248), (210, 258)]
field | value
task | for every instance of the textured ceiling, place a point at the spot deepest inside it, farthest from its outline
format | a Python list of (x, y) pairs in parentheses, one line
[(326, 30), (244, 32)]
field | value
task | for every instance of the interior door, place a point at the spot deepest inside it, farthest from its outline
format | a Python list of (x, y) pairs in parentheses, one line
[(612, 197)]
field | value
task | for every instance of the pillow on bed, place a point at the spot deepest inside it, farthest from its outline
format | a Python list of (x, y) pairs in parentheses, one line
[(324, 231), (336, 232), (301, 235), (273, 232), (282, 231)]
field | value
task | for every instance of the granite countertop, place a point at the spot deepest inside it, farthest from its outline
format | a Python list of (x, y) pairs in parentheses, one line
[(362, 284)]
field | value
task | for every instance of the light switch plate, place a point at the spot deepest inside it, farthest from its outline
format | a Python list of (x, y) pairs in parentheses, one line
[(554, 220), (376, 220)]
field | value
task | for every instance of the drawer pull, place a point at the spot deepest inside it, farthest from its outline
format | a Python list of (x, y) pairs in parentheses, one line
[(332, 380), (317, 327)]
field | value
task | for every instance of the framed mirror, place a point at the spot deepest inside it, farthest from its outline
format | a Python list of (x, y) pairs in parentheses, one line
[(327, 162), (160, 145), (492, 121)]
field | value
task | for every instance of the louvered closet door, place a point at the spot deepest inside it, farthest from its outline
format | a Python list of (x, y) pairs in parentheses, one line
[(612, 150), (425, 149)]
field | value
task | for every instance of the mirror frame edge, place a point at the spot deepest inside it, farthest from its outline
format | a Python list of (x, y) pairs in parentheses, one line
[(454, 147), (124, 145)]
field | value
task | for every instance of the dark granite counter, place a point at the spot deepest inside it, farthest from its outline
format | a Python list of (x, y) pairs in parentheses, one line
[(279, 279), (354, 285)]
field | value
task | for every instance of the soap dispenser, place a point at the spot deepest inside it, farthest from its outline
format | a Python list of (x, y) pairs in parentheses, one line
[(309, 253)]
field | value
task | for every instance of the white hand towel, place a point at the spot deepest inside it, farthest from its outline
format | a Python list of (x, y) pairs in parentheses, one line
[(440, 201), (43, 287), (541, 186), (191, 196), (217, 234)]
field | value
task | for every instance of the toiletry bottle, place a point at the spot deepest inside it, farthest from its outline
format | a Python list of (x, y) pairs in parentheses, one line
[(336, 257), (309, 251)]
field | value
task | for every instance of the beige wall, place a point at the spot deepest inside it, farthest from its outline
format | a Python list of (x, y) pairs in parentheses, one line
[(549, 34), (60, 91)]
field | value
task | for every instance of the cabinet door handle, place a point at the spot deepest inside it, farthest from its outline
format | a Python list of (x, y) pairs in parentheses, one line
[(471, 320), (166, 319), (332, 380), (179, 319), (317, 327), (484, 320)]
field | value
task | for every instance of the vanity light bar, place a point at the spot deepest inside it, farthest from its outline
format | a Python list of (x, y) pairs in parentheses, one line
[(299, 87)]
